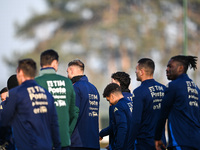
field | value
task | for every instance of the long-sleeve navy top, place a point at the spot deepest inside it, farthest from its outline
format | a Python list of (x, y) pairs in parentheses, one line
[(147, 100), (31, 112), (181, 106)]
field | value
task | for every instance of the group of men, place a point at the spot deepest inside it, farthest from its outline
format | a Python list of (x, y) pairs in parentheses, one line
[(142, 126), (51, 111)]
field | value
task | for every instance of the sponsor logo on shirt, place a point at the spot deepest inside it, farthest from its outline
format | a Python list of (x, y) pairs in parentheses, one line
[(39, 99), (157, 93), (58, 90), (130, 105), (116, 109), (60, 103), (192, 94), (94, 105)]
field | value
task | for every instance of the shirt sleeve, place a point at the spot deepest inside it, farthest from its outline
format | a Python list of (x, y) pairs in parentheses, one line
[(73, 111), (109, 129), (54, 126), (166, 106), (121, 127), (105, 131), (136, 117), (78, 96)]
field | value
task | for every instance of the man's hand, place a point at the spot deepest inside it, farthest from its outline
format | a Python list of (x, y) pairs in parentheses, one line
[(159, 144)]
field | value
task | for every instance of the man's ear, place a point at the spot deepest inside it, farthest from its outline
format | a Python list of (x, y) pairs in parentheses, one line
[(20, 72), (20, 76), (142, 72), (54, 64), (181, 69)]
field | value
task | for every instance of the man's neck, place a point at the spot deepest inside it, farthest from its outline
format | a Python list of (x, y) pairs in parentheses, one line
[(147, 78)]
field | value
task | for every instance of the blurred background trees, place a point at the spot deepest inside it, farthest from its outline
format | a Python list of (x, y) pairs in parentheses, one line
[(112, 35)]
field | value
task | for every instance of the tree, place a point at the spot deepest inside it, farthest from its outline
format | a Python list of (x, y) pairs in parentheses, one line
[(112, 35)]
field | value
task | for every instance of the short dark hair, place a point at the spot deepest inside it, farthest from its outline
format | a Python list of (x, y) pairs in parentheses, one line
[(5, 89), (48, 56), (123, 78), (186, 61), (148, 64), (12, 81), (78, 63), (28, 66), (111, 88)]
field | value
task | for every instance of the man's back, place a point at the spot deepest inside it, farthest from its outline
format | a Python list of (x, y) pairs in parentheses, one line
[(34, 118), (147, 104), (86, 133), (62, 90)]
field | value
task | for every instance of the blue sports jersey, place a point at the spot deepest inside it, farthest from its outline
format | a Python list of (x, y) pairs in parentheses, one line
[(109, 129), (86, 132), (121, 114), (147, 100), (181, 106), (32, 114)]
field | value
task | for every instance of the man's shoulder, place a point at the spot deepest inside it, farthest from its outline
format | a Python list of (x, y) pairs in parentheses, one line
[(84, 83), (121, 105), (52, 77), (160, 84), (84, 86), (140, 89)]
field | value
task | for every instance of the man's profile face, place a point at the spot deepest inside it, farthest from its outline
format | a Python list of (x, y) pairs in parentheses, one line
[(3, 96), (172, 70), (19, 76), (69, 72), (111, 99), (138, 73)]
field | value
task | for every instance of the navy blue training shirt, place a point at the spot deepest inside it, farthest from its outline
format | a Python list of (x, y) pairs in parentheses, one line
[(147, 100), (181, 106)]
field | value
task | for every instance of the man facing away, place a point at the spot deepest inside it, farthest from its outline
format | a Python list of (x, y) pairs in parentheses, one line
[(147, 100), (123, 80), (121, 116), (86, 133), (181, 106), (31, 112), (62, 90)]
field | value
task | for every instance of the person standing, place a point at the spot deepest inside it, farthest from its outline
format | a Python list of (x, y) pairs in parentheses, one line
[(62, 90), (5, 132), (86, 133), (121, 115), (31, 112), (147, 100), (181, 106), (6, 136), (123, 80)]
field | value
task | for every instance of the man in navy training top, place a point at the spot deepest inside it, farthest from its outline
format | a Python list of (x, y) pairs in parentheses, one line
[(86, 133), (31, 112), (123, 80), (147, 100), (121, 115), (181, 106)]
